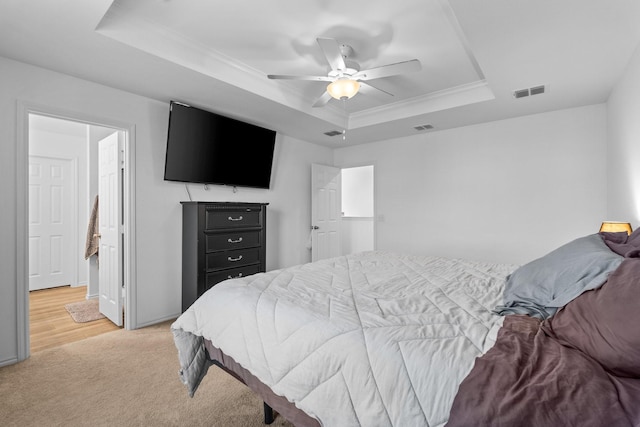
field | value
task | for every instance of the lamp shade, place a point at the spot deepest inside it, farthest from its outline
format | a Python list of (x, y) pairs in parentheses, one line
[(615, 227), (343, 88)]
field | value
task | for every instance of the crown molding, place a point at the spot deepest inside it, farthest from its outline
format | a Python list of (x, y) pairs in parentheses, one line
[(157, 40), (458, 96)]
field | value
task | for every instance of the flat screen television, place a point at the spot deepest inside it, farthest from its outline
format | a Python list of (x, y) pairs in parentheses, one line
[(207, 148)]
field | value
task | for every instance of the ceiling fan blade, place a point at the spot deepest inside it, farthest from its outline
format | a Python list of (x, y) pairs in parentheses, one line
[(332, 52), (312, 78), (369, 89), (322, 101), (388, 70)]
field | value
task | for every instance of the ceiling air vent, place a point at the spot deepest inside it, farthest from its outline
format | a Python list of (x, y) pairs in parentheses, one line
[(536, 90), (521, 93), (423, 127), (333, 133)]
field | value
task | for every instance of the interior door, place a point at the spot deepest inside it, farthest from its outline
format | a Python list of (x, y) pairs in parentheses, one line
[(50, 222), (110, 279), (325, 212)]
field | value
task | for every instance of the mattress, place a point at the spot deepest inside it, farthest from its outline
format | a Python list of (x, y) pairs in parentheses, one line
[(374, 338)]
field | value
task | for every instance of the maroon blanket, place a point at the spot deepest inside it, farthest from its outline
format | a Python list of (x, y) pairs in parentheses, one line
[(623, 244), (578, 368)]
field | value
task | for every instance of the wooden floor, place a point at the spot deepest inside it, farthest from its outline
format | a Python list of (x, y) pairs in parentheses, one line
[(50, 323)]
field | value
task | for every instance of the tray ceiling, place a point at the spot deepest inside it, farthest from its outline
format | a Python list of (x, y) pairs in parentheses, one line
[(216, 55)]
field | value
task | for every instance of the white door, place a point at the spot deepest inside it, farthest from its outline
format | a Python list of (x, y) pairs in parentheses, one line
[(325, 212), (110, 227), (50, 222)]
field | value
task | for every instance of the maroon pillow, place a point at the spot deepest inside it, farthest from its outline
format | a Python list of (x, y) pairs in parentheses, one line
[(605, 323)]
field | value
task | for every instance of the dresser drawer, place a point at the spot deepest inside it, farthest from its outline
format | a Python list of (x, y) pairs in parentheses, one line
[(216, 219), (234, 273), (232, 240), (230, 259)]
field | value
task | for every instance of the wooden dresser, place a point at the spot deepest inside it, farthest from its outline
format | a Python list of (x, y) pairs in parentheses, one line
[(220, 240)]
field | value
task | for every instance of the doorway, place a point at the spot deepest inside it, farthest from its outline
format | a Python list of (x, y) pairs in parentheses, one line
[(342, 211), (358, 225), (63, 165), (51, 137)]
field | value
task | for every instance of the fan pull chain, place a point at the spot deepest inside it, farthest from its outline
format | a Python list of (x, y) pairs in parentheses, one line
[(344, 131)]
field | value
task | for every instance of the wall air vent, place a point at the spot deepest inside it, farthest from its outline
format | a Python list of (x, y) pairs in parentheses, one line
[(536, 90), (423, 127), (333, 133)]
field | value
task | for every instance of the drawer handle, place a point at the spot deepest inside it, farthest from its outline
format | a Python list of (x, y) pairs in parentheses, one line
[(235, 219), (234, 277), (238, 240), (235, 259)]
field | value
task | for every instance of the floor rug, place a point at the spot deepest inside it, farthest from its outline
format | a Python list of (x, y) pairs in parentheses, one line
[(84, 311)]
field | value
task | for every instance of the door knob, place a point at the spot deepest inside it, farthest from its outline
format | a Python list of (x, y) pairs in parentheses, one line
[(314, 227), (98, 235)]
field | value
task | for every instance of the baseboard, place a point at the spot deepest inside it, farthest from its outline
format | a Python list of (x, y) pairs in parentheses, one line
[(156, 321), (8, 362), (92, 296)]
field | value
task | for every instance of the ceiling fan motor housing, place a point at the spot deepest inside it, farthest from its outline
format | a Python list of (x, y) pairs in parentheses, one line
[(351, 69)]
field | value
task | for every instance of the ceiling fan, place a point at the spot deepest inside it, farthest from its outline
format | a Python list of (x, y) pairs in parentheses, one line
[(345, 77)]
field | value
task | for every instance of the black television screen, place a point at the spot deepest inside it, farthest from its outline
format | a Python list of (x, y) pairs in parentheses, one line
[(207, 148)]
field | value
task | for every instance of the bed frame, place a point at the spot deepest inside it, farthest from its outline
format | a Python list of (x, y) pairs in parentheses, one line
[(272, 401)]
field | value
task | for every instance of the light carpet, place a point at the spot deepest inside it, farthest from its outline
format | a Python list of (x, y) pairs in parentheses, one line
[(123, 378), (84, 311)]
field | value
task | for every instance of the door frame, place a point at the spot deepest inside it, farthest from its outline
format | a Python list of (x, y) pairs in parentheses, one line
[(22, 209)]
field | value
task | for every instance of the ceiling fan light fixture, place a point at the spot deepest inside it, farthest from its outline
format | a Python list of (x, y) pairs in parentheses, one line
[(343, 88)]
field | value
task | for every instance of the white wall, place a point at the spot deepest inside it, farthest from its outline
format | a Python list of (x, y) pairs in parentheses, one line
[(357, 234), (623, 161), (505, 191), (157, 208)]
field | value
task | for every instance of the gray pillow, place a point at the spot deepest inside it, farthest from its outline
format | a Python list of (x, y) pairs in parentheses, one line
[(542, 286)]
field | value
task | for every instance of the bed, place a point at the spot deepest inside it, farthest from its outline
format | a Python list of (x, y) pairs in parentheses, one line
[(377, 338)]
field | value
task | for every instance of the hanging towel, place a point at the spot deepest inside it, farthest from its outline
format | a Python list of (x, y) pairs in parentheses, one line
[(93, 241)]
